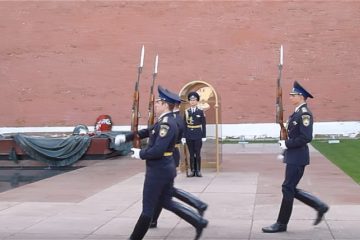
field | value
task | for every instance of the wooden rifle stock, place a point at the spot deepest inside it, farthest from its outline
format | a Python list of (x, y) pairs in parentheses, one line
[(151, 110), (280, 107), (135, 113), (186, 160)]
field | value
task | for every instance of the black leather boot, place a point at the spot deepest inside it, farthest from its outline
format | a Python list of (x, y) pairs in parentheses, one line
[(276, 227), (285, 211), (198, 165), (153, 224), (141, 228), (313, 202), (190, 216), (155, 217), (191, 200), (192, 174), (283, 218), (198, 174)]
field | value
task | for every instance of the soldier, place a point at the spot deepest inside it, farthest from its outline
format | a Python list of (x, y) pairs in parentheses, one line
[(180, 194), (296, 157), (160, 168), (195, 133)]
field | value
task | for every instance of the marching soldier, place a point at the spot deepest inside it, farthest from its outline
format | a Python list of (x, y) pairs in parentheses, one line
[(195, 133), (296, 157), (180, 194), (160, 168)]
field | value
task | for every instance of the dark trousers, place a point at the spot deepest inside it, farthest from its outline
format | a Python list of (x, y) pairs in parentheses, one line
[(185, 197), (176, 155), (157, 193), (194, 147), (293, 175)]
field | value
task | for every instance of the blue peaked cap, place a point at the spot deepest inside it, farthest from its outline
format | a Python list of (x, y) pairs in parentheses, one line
[(168, 96), (298, 89)]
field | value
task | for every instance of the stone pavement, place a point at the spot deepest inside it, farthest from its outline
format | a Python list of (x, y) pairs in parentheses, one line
[(103, 201)]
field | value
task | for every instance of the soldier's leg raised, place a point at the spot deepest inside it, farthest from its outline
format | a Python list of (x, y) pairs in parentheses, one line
[(191, 200), (313, 202), (189, 216)]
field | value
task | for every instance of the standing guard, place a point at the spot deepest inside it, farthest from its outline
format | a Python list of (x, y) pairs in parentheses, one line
[(195, 133)]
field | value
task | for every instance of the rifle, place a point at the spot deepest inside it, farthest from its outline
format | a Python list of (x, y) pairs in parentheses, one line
[(151, 111), (279, 103), (135, 108), (186, 160)]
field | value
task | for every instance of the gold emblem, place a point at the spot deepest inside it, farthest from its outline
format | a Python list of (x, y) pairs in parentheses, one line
[(205, 94), (306, 120), (190, 121), (163, 130)]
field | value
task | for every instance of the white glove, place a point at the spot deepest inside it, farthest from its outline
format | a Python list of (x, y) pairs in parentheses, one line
[(136, 153), (282, 144), (203, 139), (120, 139), (183, 141)]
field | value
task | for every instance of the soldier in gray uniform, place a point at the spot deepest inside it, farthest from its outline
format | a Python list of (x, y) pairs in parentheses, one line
[(296, 157)]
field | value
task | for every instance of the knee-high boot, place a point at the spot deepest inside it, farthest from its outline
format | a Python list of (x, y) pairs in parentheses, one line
[(198, 166), (155, 217), (309, 199), (191, 200), (285, 211), (189, 216), (313, 202), (141, 227)]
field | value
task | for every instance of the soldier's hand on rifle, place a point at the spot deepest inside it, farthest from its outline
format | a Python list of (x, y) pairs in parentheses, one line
[(282, 144), (283, 134), (120, 139), (136, 153), (203, 139), (183, 141)]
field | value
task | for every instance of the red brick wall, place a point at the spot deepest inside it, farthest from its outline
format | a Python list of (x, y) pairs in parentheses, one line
[(63, 63)]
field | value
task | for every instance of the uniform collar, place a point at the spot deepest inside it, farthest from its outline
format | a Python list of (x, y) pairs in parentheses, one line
[(162, 115), (298, 107)]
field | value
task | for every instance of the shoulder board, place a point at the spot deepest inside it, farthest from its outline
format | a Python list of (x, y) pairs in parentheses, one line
[(165, 119), (304, 109)]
